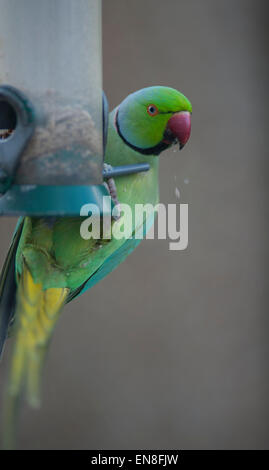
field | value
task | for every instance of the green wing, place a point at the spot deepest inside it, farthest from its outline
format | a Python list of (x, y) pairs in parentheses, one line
[(113, 261), (107, 267)]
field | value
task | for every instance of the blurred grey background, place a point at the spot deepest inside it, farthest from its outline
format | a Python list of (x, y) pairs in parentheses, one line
[(171, 350)]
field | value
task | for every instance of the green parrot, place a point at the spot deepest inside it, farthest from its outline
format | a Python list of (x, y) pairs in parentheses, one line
[(49, 263)]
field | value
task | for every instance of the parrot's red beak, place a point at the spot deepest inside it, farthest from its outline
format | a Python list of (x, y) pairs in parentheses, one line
[(180, 127)]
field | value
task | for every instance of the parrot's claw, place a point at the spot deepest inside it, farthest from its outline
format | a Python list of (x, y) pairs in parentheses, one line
[(111, 186)]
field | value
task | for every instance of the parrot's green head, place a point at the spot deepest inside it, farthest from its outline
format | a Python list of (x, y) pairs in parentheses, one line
[(152, 119)]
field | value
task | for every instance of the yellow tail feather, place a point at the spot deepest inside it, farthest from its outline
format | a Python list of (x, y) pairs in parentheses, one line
[(37, 312)]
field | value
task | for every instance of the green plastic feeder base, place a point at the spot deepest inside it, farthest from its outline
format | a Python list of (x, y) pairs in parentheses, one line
[(46, 201)]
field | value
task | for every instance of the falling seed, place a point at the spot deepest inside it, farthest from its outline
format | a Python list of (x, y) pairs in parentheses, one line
[(177, 193)]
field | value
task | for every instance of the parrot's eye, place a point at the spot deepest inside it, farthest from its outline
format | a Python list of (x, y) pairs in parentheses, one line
[(152, 110)]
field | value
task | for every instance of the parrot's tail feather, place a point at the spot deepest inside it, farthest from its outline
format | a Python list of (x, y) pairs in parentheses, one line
[(37, 312)]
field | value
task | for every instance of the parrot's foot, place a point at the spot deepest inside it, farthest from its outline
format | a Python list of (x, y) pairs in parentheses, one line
[(112, 189)]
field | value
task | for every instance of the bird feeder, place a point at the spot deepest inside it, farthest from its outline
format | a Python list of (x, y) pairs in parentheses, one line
[(53, 116)]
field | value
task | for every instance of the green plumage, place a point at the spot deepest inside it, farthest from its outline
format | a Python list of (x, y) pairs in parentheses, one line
[(54, 263)]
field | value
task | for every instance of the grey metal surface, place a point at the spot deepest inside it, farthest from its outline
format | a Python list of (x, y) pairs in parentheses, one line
[(52, 52)]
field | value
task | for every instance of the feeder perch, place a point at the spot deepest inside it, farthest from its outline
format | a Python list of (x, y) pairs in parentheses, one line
[(53, 114)]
